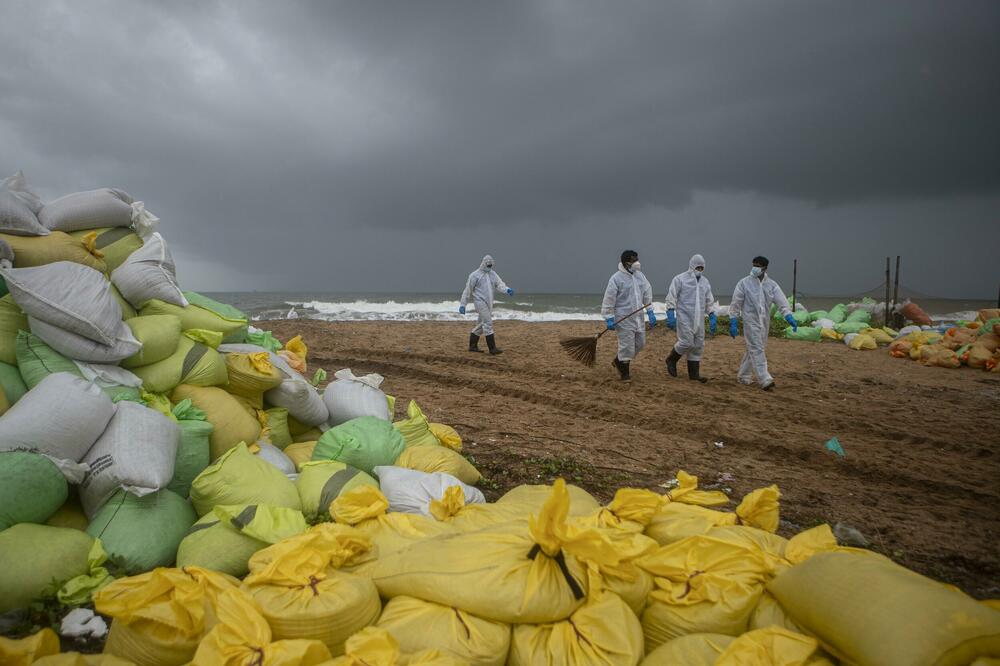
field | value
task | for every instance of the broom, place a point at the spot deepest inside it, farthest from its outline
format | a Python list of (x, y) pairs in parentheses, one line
[(585, 349)]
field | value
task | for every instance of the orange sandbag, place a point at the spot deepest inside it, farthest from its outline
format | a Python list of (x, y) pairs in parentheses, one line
[(938, 356), (989, 313), (916, 314), (900, 348), (982, 350)]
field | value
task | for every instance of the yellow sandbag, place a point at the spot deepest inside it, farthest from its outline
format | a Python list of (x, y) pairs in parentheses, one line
[(416, 428), (242, 637), (604, 631), (868, 610), (676, 521), (240, 477), (231, 423), (534, 498), (310, 435), (12, 320), (56, 246), (70, 514), (160, 616), (632, 510), (422, 625), (862, 341), (830, 334), (781, 553), (250, 376), (374, 646), (78, 659), (302, 593), (320, 482), (513, 573), (769, 613), (24, 651), (300, 453), (436, 458), (702, 585), (686, 491), (446, 436), (880, 335), (192, 363), (766, 647), (115, 243)]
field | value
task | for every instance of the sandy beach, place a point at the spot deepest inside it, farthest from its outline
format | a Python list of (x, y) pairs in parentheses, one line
[(920, 480)]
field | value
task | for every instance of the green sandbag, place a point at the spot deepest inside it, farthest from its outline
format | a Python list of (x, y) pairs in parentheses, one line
[(37, 559), (128, 312), (850, 327), (194, 317), (226, 538), (240, 477), (31, 488), (816, 315), (12, 320), (159, 335), (223, 310), (115, 243), (365, 443), (3, 287), (860, 315), (11, 382), (36, 360), (807, 333), (192, 363), (264, 339), (143, 532), (838, 313), (801, 317), (193, 451), (988, 325), (277, 423)]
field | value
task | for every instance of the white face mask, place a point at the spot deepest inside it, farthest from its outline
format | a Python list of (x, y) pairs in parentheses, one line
[(756, 271), (634, 267)]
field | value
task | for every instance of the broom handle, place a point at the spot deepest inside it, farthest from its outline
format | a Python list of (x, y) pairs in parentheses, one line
[(633, 313)]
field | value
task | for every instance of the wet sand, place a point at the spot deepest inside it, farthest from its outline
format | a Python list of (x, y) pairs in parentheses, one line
[(921, 478)]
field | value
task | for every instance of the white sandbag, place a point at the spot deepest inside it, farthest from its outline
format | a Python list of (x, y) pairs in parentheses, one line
[(906, 330), (71, 296), (84, 349), (301, 399), (849, 337), (149, 273), (824, 323), (108, 376), (272, 454), (350, 397), (410, 491), (105, 207), (19, 207), (136, 453), (61, 417)]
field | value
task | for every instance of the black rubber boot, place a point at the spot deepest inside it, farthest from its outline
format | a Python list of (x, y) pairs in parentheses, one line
[(694, 371), (492, 344), (474, 343), (623, 371), (672, 362)]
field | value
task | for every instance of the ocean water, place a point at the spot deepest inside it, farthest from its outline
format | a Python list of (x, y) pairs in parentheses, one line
[(524, 307)]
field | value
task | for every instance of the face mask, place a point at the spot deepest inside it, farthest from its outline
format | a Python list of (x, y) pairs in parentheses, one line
[(756, 271), (489, 267), (697, 273), (633, 267)]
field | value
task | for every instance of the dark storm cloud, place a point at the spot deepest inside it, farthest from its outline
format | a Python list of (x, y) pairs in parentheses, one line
[(285, 143)]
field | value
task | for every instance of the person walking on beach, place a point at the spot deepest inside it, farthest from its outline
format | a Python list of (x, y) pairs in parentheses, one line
[(688, 299), (628, 290), (479, 289), (752, 300)]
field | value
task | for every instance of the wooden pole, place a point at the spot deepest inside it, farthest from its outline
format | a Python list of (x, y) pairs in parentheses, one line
[(895, 290), (888, 282), (795, 275)]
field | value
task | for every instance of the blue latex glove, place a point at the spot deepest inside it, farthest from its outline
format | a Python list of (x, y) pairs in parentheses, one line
[(791, 322), (461, 309), (651, 317), (510, 292), (671, 319), (733, 327), (713, 323), (610, 321)]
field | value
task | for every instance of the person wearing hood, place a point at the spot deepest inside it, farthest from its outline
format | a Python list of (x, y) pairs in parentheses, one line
[(479, 289), (688, 299), (752, 300), (628, 290)]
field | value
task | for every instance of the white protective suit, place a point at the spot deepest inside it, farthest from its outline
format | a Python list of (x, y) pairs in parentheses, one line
[(752, 301), (479, 289), (627, 292), (690, 296)]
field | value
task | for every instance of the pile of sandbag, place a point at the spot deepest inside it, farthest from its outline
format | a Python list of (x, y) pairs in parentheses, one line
[(975, 344)]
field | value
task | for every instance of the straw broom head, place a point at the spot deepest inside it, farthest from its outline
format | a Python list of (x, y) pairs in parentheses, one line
[(582, 349)]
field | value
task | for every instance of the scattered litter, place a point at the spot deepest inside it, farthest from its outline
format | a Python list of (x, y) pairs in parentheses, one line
[(719, 445), (83, 623), (834, 445), (726, 477), (849, 536)]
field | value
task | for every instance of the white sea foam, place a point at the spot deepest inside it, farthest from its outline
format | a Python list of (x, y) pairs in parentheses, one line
[(423, 311)]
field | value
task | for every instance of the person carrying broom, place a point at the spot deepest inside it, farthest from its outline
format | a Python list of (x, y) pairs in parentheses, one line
[(627, 293)]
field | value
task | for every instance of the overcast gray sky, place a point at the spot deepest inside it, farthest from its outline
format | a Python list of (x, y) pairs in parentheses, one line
[(387, 146)]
